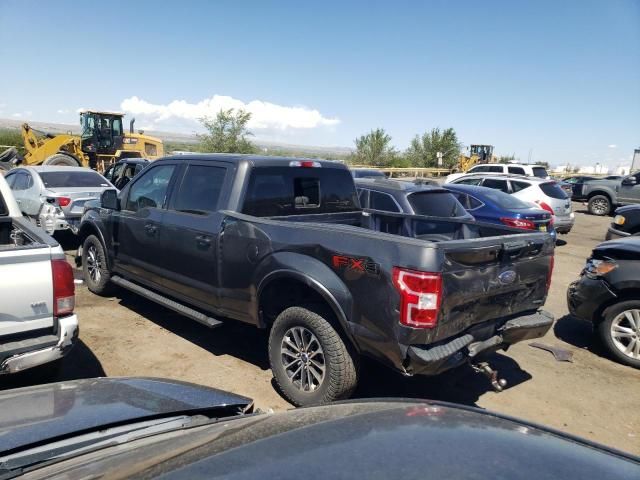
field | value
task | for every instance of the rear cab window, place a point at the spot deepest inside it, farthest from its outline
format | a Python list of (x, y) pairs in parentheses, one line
[(436, 204), (73, 179), (553, 190), (282, 191)]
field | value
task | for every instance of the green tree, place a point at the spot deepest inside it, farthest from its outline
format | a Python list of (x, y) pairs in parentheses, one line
[(422, 151), (374, 149), (227, 133), (507, 158)]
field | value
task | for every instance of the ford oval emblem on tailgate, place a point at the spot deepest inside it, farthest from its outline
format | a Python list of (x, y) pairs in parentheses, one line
[(507, 277)]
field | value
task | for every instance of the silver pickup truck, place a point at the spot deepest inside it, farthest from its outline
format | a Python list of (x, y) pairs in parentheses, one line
[(37, 297)]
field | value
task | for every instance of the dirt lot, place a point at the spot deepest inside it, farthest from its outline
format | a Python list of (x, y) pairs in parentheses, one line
[(592, 397)]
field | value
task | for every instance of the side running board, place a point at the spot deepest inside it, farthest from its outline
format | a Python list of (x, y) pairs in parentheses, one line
[(166, 302)]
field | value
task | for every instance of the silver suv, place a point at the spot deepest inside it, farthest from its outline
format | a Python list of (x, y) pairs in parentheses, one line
[(546, 194)]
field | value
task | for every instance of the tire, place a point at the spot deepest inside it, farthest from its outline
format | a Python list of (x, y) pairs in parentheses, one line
[(61, 160), (340, 376), (94, 267), (618, 333), (599, 205)]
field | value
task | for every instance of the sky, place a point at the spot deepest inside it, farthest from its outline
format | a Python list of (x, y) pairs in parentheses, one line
[(544, 80)]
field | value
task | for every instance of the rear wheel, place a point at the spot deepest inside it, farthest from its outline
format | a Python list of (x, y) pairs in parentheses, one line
[(309, 360), (61, 160), (599, 205), (94, 266), (620, 332)]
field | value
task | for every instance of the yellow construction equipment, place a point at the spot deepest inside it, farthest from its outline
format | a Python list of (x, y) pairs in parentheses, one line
[(102, 142), (477, 154)]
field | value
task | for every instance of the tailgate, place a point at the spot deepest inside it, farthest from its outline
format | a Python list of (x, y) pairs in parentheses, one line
[(492, 278), (26, 290)]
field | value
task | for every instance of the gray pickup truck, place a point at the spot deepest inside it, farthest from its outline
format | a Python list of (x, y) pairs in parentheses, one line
[(283, 244), (603, 196), (37, 298)]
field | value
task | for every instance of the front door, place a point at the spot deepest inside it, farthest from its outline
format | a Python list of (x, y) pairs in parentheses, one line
[(191, 227), (629, 192), (138, 233)]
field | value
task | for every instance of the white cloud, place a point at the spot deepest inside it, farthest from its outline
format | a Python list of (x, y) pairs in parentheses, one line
[(63, 111), (264, 115), (613, 145)]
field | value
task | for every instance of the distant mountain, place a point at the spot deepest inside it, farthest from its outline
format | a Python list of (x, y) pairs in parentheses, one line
[(8, 123)]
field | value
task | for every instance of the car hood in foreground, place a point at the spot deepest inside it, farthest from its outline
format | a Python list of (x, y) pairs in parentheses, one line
[(45, 412)]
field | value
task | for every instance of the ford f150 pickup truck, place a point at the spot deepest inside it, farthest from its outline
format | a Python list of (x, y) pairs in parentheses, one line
[(603, 195), (37, 298), (283, 244)]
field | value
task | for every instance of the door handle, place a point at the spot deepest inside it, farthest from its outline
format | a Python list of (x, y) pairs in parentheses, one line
[(203, 240), (151, 229)]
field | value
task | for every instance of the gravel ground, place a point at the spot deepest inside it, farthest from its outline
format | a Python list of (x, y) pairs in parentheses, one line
[(592, 397)]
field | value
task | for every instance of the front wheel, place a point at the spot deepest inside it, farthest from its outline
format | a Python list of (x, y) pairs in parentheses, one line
[(94, 266), (599, 205), (61, 160), (309, 360), (620, 332)]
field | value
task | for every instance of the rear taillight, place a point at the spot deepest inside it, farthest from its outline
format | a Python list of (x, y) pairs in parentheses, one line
[(551, 265), (546, 207), (420, 295), (519, 223), (64, 299), (63, 201)]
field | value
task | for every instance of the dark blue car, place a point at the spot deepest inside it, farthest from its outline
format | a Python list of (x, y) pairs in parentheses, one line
[(493, 206)]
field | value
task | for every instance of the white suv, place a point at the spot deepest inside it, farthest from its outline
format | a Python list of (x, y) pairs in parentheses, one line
[(546, 194), (504, 169)]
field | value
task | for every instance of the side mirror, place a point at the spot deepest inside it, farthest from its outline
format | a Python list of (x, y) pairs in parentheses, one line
[(629, 181), (109, 199)]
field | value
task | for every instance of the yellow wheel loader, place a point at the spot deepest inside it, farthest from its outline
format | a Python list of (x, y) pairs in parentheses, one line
[(477, 154), (102, 142)]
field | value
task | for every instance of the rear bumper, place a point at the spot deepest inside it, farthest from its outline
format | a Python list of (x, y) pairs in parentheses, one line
[(564, 224), (431, 360), (67, 336), (614, 234)]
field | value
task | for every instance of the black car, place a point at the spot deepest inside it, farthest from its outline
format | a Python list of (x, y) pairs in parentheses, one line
[(625, 222), (151, 428), (607, 295), (121, 173), (367, 173), (409, 197), (576, 184)]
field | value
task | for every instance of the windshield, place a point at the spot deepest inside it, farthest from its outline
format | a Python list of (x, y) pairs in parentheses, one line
[(436, 204), (72, 179)]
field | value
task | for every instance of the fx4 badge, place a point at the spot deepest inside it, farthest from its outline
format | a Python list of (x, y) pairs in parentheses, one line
[(362, 265)]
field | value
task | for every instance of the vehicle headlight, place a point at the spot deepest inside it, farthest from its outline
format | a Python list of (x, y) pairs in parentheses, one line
[(598, 268), (619, 220)]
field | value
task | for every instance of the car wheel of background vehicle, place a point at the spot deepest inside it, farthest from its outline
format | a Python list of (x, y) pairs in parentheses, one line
[(620, 332), (599, 205), (94, 266), (309, 360), (61, 160)]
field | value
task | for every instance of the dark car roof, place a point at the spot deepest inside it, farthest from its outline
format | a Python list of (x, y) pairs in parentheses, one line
[(390, 439), (134, 160), (45, 412), (391, 186), (257, 160)]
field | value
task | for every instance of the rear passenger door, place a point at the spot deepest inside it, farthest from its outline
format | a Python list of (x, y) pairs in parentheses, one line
[(191, 229)]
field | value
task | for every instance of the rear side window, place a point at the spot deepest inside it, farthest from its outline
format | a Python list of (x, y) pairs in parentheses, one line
[(496, 169), (469, 181), (479, 169), (382, 201), (436, 204), (540, 172), (72, 179), (21, 181), (553, 190), (200, 189), (496, 184), (279, 191), (516, 170), (517, 186)]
